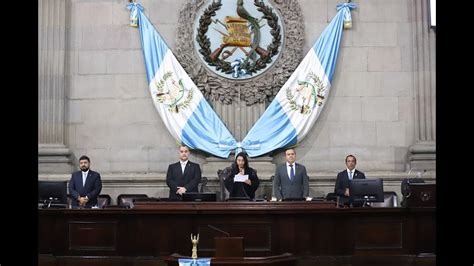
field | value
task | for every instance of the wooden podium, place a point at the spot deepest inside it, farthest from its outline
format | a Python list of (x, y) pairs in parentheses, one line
[(422, 195), (229, 247), (230, 252)]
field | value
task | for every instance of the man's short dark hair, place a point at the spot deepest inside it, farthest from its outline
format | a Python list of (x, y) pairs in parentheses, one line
[(183, 145), (83, 157), (287, 149), (350, 155)]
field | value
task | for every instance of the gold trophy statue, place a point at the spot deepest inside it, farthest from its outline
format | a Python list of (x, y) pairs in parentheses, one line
[(195, 241)]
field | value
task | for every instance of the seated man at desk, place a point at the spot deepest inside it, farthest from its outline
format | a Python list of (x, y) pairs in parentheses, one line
[(343, 180), (290, 179), (242, 180), (183, 176)]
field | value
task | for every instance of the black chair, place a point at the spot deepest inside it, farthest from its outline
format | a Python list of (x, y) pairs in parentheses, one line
[(390, 199), (222, 173), (238, 199), (103, 200), (202, 184), (69, 201), (127, 199), (331, 196), (115, 207)]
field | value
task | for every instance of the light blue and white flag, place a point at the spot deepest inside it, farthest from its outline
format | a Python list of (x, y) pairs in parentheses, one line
[(185, 112), (296, 107), (194, 262)]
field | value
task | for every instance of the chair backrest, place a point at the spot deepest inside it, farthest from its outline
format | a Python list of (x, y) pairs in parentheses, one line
[(222, 173), (103, 200), (127, 199), (390, 199), (69, 200), (331, 196), (115, 207), (202, 184)]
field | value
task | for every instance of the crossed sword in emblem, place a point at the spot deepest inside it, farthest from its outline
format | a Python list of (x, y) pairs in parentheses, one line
[(215, 54)]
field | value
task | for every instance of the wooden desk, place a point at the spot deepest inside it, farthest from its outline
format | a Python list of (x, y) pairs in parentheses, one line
[(316, 233)]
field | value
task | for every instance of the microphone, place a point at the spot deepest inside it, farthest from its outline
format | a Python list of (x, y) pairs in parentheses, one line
[(419, 174), (219, 230), (49, 201)]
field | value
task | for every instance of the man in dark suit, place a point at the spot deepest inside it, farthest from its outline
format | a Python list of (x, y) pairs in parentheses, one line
[(85, 185), (290, 179), (343, 181), (183, 176)]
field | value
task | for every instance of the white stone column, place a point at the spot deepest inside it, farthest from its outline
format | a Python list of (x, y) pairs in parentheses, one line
[(423, 152), (53, 154)]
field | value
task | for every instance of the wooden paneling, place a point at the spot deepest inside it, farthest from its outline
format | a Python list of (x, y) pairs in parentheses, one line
[(308, 230), (257, 235), (92, 235), (378, 234)]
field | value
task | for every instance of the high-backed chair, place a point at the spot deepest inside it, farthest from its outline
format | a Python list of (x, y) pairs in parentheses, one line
[(69, 200), (202, 184), (222, 173), (127, 199), (103, 200), (331, 196), (390, 200)]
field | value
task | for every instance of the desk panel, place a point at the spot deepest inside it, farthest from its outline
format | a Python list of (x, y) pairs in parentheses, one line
[(311, 231)]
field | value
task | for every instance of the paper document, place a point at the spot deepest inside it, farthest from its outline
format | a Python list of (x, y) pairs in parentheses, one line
[(240, 178)]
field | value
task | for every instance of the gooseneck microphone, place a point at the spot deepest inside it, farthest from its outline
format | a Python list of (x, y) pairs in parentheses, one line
[(219, 230)]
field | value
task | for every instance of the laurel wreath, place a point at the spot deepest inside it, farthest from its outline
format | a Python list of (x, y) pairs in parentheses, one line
[(318, 96), (224, 66), (318, 83), (174, 107), (184, 104), (161, 83)]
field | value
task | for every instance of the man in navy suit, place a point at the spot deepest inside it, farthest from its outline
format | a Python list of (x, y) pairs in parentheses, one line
[(290, 179), (343, 181), (85, 185), (183, 176)]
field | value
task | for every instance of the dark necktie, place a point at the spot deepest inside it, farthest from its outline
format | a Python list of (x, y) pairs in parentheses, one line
[(292, 172)]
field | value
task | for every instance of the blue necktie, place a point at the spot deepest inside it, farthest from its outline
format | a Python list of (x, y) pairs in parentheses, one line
[(292, 172)]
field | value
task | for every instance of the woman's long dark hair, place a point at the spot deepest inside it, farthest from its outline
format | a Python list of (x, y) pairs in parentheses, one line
[(235, 167)]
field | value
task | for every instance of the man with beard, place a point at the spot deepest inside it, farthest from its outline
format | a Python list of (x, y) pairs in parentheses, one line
[(85, 185)]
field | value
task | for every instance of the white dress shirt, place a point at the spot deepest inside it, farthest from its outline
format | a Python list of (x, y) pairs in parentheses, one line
[(84, 177), (183, 165), (349, 173)]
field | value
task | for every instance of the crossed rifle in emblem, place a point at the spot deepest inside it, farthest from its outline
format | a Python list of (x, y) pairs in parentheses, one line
[(227, 53)]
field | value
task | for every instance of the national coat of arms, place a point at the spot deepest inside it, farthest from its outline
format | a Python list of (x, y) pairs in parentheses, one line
[(239, 40), (172, 93), (306, 94)]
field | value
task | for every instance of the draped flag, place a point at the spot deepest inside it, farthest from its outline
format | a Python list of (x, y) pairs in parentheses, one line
[(185, 112), (296, 107), (194, 262)]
